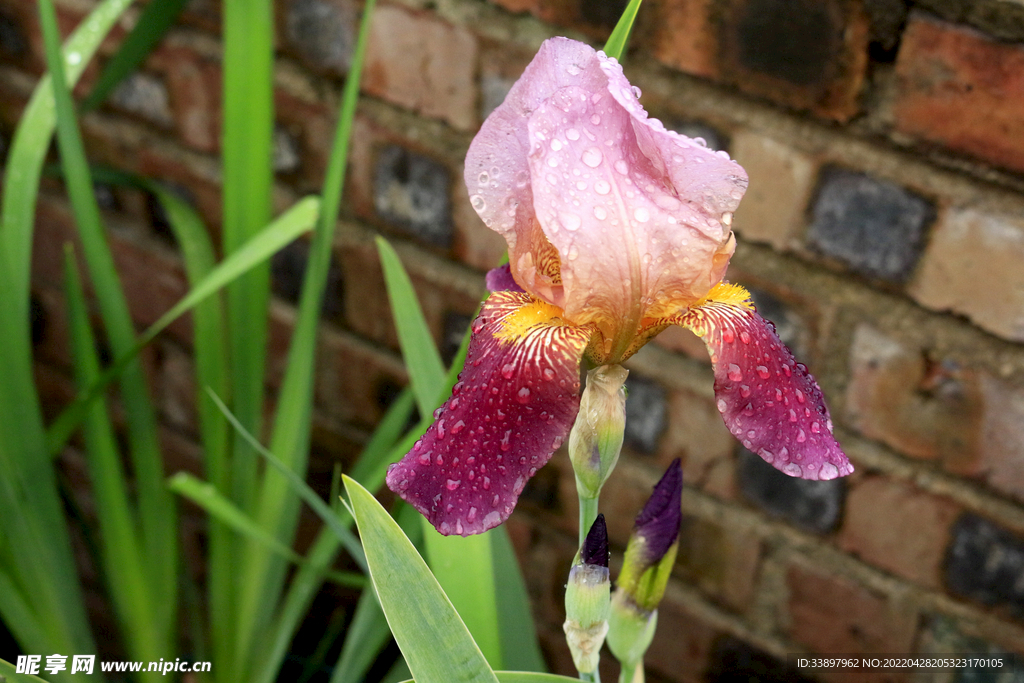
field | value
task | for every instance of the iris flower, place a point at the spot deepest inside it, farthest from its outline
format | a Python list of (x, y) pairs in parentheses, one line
[(616, 229)]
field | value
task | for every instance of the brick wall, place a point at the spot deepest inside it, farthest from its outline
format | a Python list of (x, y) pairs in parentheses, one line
[(883, 232)]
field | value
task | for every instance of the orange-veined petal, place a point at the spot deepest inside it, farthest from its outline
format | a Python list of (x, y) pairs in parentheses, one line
[(512, 407), (768, 400)]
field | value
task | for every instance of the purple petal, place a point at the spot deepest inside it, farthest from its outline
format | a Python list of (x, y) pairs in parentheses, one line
[(510, 410), (658, 523), (500, 280), (595, 546), (768, 400)]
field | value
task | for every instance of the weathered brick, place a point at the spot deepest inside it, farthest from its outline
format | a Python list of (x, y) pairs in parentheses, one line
[(682, 644), (646, 412), (919, 406), (874, 226), (194, 85), (683, 36), (288, 273), (781, 178), (913, 551), (13, 41), (972, 267), (790, 325), (806, 54), (810, 505), (423, 64), (323, 32), (985, 563), (962, 89), (1001, 449), (697, 434), (833, 614), (720, 559)]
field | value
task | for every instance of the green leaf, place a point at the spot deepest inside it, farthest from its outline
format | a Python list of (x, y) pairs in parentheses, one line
[(426, 371), (206, 496), (289, 225), (519, 647), (156, 18), (435, 642), (465, 570), (366, 636), (7, 674), (616, 45)]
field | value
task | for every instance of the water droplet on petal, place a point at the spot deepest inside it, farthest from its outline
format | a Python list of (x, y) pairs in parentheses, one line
[(728, 337), (642, 215), (828, 471), (762, 372), (721, 406), (636, 92), (74, 58), (602, 187), (507, 370), (744, 337), (556, 145), (573, 70), (793, 470), (452, 484), (596, 120), (484, 178), (622, 167), (440, 429), (524, 395), (478, 202), (425, 458), (815, 428), (801, 436), (570, 221), (600, 213), (727, 218), (592, 157), (572, 134), (458, 427), (734, 373)]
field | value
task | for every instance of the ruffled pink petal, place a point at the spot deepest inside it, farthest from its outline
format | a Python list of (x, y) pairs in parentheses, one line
[(638, 215), (512, 408), (768, 400)]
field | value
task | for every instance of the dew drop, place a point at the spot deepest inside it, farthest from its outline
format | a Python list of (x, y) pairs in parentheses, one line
[(744, 391), (507, 370), (573, 253), (815, 428), (524, 395), (425, 458), (592, 157), (572, 134), (622, 167), (602, 187), (478, 202), (486, 483), (458, 427), (642, 215), (600, 213), (556, 145), (801, 436), (793, 470), (572, 70), (734, 373), (727, 218), (762, 372), (553, 161), (440, 429), (596, 120), (828, 471), (570, 221), (728, 337), (721, 406), (744, 337), (792, 415), (452, 484), (484, 178), (74, 58), (800, 398)]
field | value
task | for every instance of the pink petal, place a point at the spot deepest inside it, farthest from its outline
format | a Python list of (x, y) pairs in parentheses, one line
[(511, 409), (638, 214), (768, 400)]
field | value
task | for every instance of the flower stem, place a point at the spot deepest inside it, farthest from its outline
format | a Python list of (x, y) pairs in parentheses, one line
[(588, 513), (632, 674)]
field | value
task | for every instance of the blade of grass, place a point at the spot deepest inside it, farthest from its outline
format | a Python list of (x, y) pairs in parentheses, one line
[(519, 647), (616, 45), (366, 636), (29, 146), (7, 673), (157, 516), (435, 642), (156, 18), (278, 506), (289, 225), (526, 677), (206, 496), (426, 371), (122, 562)]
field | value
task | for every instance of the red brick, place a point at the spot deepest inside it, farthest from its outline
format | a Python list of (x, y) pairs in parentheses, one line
[(923, 408), (957, 87), (972, 267), (684, 37), (552, 11), (913, 548), (194, 85), (773, 210), (697, 434), (423, 64), (721, 560), (832, 614), (682, 643), (1001, 450)]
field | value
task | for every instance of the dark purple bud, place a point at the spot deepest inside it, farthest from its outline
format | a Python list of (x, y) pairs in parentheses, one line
[(658, 523), (595, 546)]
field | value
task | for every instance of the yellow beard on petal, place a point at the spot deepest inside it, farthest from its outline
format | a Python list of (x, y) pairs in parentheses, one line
[(515, 325), (728, 294)]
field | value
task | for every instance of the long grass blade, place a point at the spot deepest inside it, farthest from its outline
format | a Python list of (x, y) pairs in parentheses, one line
[(289, 225), (156, 18), (366, 636), (157, 516), (7, 673), (519, 647), (422, 359), (616, 45), (435, 642)]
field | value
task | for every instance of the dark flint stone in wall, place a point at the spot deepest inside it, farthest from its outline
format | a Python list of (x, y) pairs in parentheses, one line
[(985, 563), (788, 325), (39, 322), (794, 40), (732, 660), (646, 414), (714, 138), (410, 191), (455, 326), (322, 32), (874, 226), (604, 13), (810, 505), (288, 272), (12, 41)]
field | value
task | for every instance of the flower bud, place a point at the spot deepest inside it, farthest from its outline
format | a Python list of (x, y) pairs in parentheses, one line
[(587, 600), (650, 554), (596, 436)]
